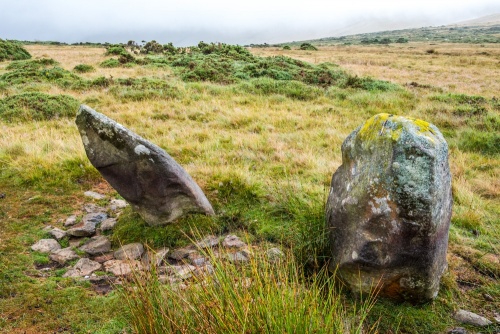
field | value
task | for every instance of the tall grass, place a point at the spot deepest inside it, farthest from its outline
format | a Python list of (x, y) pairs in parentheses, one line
[(257, 297)]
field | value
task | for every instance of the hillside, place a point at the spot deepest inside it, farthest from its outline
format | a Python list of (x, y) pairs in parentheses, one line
[(478, 31)]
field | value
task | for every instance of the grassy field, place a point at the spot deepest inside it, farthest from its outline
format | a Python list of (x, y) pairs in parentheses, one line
[(262, 149)]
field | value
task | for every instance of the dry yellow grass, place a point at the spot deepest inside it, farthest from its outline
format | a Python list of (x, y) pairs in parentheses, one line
[(463, 68)]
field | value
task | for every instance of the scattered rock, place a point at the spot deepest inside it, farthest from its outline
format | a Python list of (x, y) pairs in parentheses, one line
[(92, 208), (457, 330), (208, 242), (88, 225), (82, 268), (77, 242), (206, 269), (46, 246), (121, 267), (94, 195), (108, 224), (63, 255), (389, 209), (238, 257), (181, 253), (97, 245), (182, 272), (233, 241), (117, 204), (156, 186), (131, 252), (274, 254), (470, 318), (154, 258), (104, 257), (197, 259), (488, 297), (70, 221), (57, 233)]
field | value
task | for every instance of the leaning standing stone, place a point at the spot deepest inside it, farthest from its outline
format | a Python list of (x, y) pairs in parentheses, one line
[(389, 208), (145, 175)]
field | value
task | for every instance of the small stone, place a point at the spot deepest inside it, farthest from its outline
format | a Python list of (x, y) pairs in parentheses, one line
[(70, 221), (206, 269), (274, 254), (131, 252), (181, 253), (46, 246), (182, 272), (457, 330), (108, 224), (196, 259), (104, 258), (88, 225), (117, 204), (488, 297), (94, 195), (237, 257), (208, 242), (92, 208), (470, 318), (82, 268), (233, 241), (48, 228), (57, 233), (122, 268), (154, 258), (63, 255), (97, 245)]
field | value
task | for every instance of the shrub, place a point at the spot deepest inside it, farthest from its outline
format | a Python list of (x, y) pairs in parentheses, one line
[(83, 68), (39, 71), (110, 63), (35, 106), (116, 50), (152, 47), (308, 46), (10, 50), (287, 47)]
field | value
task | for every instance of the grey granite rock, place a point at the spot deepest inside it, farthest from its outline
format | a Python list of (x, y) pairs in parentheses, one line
[(87, 226), (94, 195), (122, 267), (389, 208), (232, 241), (84, 267), (63, 255), (470, 318), (97, 245), (145, 175), (46, 246), (132, 251), (108, 224)]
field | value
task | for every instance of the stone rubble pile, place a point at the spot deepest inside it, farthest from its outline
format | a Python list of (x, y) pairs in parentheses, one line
[(93, 258)]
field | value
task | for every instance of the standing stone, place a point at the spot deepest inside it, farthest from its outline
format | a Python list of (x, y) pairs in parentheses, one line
[(389, 208), (145, 175)]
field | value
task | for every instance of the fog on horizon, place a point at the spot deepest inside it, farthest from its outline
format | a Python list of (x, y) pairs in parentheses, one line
[(246, 22)]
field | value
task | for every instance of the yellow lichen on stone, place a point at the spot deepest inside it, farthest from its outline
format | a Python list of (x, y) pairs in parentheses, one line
[(379, 126)]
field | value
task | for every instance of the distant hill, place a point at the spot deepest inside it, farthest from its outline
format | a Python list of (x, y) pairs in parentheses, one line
[(480, 30)]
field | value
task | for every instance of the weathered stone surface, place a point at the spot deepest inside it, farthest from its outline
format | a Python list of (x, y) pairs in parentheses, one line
[(46, 246), (63, 255), (181, 253), (457, 330), (83, 267), (208, 242), (389, 208), (104, 257), (145, 175), (238, 257), (88, 225), (231, 241), (274, 254), (94, 195), (154, 258), (108, 224), (70, 221), (470, 318), (122, 267), (117, 204), (57, 233), (131, 252), (183, 272), (97, 245)]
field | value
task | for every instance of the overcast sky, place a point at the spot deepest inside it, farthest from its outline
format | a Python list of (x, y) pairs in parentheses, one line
[(187, 22)]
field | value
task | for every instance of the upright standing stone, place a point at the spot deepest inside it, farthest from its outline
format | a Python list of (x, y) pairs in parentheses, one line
[(389, 208), (145, 175)]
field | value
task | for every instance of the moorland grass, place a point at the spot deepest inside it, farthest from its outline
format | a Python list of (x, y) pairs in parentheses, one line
[(263, 148)]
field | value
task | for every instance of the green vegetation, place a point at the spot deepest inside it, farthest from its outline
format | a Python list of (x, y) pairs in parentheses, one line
[(262, 137), (84, 68), (308, 46), (36, 106), (254, 298), (11, 50)]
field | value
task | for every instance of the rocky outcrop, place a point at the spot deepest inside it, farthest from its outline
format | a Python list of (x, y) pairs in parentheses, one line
[(145, 175), (389, 208)]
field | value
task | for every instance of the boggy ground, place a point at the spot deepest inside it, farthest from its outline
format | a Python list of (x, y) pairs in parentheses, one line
[(264, 159)]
